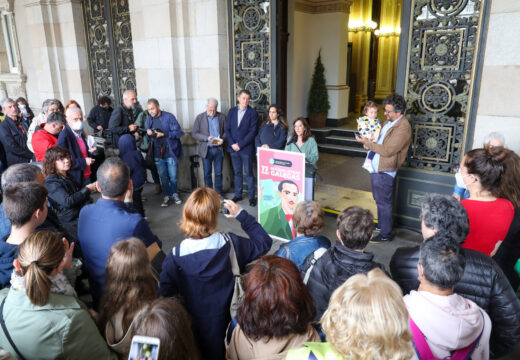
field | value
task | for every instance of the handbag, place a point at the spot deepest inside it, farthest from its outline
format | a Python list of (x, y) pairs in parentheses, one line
[(239, 280)]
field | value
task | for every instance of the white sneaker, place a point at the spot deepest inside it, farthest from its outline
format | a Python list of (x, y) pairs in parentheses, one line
[(176, 199), (367, 166), (166, 201)]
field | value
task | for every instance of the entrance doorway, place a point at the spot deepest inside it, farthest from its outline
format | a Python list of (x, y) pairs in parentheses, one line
[(109, 48)]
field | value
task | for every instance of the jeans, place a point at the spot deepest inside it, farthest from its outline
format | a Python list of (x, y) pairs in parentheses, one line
[(382, 191), (214, 156), (167, 169), (237, 159)]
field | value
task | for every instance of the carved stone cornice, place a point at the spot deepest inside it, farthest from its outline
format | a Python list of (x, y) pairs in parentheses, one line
[(31, 3), (323, 6), (7, 5)]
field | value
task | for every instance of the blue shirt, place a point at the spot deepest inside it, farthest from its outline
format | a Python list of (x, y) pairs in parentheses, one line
[(375, 160), (213, 128)]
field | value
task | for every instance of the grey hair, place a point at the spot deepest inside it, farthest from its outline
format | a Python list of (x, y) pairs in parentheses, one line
[(213, 102), (56, 117), (494, 136), (113, 177), (47, 104), (19, 173), (7, 100), (127, 93), (443, 260), (71, 110), (445, 214)]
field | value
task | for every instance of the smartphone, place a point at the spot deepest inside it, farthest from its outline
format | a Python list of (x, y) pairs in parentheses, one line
[(144, 348), (223, 209)]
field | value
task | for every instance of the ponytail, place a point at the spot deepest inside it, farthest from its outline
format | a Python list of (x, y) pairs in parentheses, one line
[(37, 284), (39, 255)]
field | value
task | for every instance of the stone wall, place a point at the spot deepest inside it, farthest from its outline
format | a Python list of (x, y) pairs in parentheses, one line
[(498, 107)]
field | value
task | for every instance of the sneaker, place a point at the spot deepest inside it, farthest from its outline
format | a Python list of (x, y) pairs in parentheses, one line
[(379, 239), (176, 199), (157, 189), (367, 165), (376, 227), (166, 201)]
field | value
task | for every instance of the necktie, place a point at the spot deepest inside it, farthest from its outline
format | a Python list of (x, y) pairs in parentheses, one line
[(289, 218)]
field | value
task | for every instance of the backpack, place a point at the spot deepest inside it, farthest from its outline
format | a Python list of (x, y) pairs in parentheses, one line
[(318, 253), (423, 351)]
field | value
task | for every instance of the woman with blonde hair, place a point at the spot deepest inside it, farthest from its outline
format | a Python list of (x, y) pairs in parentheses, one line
[(366, 320), (199, 269), (129, 288), (40, 316)]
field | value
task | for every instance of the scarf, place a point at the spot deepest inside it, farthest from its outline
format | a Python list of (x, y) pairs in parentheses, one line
[(60, 284)]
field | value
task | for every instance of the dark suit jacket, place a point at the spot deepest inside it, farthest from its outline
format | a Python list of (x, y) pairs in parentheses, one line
[(14, 143), (201, 131), (100, 226), (68, 140), (243, 135)]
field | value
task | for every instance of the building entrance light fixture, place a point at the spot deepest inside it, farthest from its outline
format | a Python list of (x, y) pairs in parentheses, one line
[(358, 25)]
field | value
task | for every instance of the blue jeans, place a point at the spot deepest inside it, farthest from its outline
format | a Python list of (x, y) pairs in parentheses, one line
[(214, 156), (383, 191), (237, 159), (167, 169)]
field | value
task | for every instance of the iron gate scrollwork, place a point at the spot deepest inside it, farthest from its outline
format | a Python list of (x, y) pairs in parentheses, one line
[(109, 47), (251, 43), (443, 47)]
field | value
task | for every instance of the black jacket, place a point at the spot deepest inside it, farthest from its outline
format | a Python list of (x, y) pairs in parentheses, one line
[(66, 196), (99, 116), (509, 251), (120, 118), (331, 270), (483, 282), (14, 143)]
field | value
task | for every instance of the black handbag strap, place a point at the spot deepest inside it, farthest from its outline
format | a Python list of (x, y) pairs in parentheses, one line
[(2, 322)]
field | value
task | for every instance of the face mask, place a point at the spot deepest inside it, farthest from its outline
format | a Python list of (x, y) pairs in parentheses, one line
[(460, 180), (77, 126)]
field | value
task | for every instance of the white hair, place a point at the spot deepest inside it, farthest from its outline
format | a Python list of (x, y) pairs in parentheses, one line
[(494, 136), (7, 101), (127, 93), (72, 109), (213, 102)]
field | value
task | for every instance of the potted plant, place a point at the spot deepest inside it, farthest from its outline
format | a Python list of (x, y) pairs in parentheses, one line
[(318, 104)]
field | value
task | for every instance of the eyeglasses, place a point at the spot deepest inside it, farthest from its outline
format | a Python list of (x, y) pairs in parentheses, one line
[(389, 111)]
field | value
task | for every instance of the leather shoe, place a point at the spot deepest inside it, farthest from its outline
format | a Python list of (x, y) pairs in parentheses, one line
[(252, 202), (236, 199), (379, 239)]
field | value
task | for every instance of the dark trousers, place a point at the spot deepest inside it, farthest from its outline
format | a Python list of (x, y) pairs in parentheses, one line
[(238, 159), (138, 201), (213, 157), (382, 191)]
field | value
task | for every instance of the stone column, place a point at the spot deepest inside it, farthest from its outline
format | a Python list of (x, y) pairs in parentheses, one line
[(388, 47), (52, 50), (498, 105), (181, 59)]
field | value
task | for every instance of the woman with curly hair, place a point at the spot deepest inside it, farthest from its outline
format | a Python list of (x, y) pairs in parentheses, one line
[(129, 288), (276, 312), (66, 196), (366, 320)]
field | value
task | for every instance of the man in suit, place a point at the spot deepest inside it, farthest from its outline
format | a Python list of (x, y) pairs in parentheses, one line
[(277, 221), (240, 134), (13, 136), (210, 133), (111, 219), (391, 148)]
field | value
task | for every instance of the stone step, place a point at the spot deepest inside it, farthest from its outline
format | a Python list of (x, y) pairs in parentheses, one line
[(342, 150), (343, 132), (342, 140)]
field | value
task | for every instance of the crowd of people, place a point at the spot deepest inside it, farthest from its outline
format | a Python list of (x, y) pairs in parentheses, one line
[(218, 294)]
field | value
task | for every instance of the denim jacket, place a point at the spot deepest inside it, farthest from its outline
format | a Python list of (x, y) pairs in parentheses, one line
[(302, 246)]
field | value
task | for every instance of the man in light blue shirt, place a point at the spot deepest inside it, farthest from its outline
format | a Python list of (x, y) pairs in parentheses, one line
[(391, 149)]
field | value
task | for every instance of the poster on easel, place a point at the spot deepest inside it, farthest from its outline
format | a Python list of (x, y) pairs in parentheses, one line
[(281, 186)]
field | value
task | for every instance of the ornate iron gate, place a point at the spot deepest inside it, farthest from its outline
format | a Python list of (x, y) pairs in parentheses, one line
[(252, 51), (109, 47), (439, 74)]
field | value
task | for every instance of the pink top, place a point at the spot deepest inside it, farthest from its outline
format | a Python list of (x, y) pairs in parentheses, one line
[(84, 154), (489, 223)]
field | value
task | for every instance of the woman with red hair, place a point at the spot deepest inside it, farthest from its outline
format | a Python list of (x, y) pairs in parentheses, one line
[(276, 312)]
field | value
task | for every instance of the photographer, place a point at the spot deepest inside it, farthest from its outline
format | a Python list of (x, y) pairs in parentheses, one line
[(165, 134)]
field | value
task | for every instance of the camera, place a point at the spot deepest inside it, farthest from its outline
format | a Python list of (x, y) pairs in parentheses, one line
[(155, 131)]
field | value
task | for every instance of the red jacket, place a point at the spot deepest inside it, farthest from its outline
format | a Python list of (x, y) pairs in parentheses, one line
[(41, 141)]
